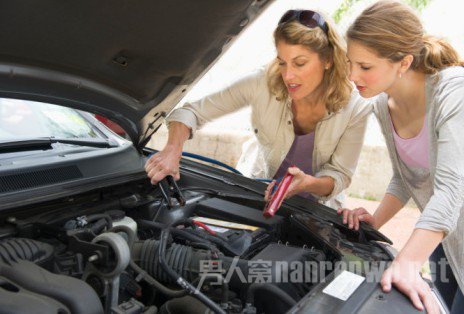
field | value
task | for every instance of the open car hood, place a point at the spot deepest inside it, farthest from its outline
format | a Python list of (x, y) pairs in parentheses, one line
[(122, 59)]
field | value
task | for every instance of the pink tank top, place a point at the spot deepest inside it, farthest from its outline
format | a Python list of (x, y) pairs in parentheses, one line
[(414, 152)]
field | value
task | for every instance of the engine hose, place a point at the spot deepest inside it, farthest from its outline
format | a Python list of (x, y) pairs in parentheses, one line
[(146, 256), (174, 231), (183, 259), (128, 231), (156, 284), (150, 224), (181, 281), (109, 221), (274, 290), (25, 249), (149, 279), (98, 226), (216, 239), (185, 221), (188, 236)]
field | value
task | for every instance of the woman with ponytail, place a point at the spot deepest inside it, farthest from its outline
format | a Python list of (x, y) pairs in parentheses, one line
[(419, 84), (304, 113)]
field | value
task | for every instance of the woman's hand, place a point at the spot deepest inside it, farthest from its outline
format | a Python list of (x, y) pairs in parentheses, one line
[(166, 162), (353, 217), (162, 164), (298, 184), (404, 275)]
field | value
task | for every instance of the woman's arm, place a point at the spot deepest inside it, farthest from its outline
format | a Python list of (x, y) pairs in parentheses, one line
[(342, 164), (322, 186), (388, 207), (239, 94), (182, 123), (420, 246), (396, 195)]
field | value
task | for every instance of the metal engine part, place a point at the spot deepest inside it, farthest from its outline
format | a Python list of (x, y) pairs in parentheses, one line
[(110, 273)]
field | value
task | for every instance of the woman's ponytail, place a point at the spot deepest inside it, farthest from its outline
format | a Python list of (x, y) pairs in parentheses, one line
[(436, 55), (393, 31)]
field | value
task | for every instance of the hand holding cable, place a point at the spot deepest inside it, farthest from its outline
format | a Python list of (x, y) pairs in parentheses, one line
[(162, 164), (295, 181), (166, 162), (276, 199)]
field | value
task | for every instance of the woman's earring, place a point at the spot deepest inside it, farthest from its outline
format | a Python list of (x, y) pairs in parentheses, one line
[(401, 75)]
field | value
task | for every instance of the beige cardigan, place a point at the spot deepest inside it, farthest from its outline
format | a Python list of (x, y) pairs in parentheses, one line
[(337, 144)]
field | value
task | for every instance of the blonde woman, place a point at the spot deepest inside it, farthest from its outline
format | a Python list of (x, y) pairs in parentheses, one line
[(303, 112), (419, 81)]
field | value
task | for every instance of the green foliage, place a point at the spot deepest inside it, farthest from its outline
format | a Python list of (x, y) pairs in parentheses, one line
[(364, 197), (345, 6), (419, 5), (342, 9)]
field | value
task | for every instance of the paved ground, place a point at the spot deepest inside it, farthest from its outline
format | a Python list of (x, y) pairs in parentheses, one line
[(399, 228)]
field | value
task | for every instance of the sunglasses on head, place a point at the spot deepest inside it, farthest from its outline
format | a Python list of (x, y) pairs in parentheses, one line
[(307, 18)]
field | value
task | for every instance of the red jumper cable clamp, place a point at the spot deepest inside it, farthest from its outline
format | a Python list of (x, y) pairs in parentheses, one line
[(272, 206)]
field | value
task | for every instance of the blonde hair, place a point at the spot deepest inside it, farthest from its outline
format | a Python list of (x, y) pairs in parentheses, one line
[(392, 30), (331, 47)]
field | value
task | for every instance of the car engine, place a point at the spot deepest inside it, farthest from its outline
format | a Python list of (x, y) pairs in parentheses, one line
[(122, 249)]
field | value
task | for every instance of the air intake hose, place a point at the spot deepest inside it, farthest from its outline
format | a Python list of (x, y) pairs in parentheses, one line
[(184, 260)]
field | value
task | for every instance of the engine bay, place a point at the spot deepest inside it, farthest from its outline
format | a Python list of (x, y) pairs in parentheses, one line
[(122, 249)]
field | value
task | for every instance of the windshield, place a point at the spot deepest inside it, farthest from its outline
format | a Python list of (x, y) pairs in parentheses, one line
[(29, 119)]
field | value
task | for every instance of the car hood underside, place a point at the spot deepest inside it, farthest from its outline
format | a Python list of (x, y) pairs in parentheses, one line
[(116, 58)]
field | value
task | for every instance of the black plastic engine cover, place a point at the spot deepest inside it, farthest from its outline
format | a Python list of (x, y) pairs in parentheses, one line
[(14, 299), (221, 209), (281, 258), (76, 295)]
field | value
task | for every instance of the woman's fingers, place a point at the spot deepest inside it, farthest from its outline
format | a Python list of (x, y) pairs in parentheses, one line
[(416, 301), (298, 178), (295, 171), (150, 163), (268, 192), (428, 301), (353, 217), (157, 174), (161, 165), (345, 215), (357, 220), (360, 215), (386, 280)]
